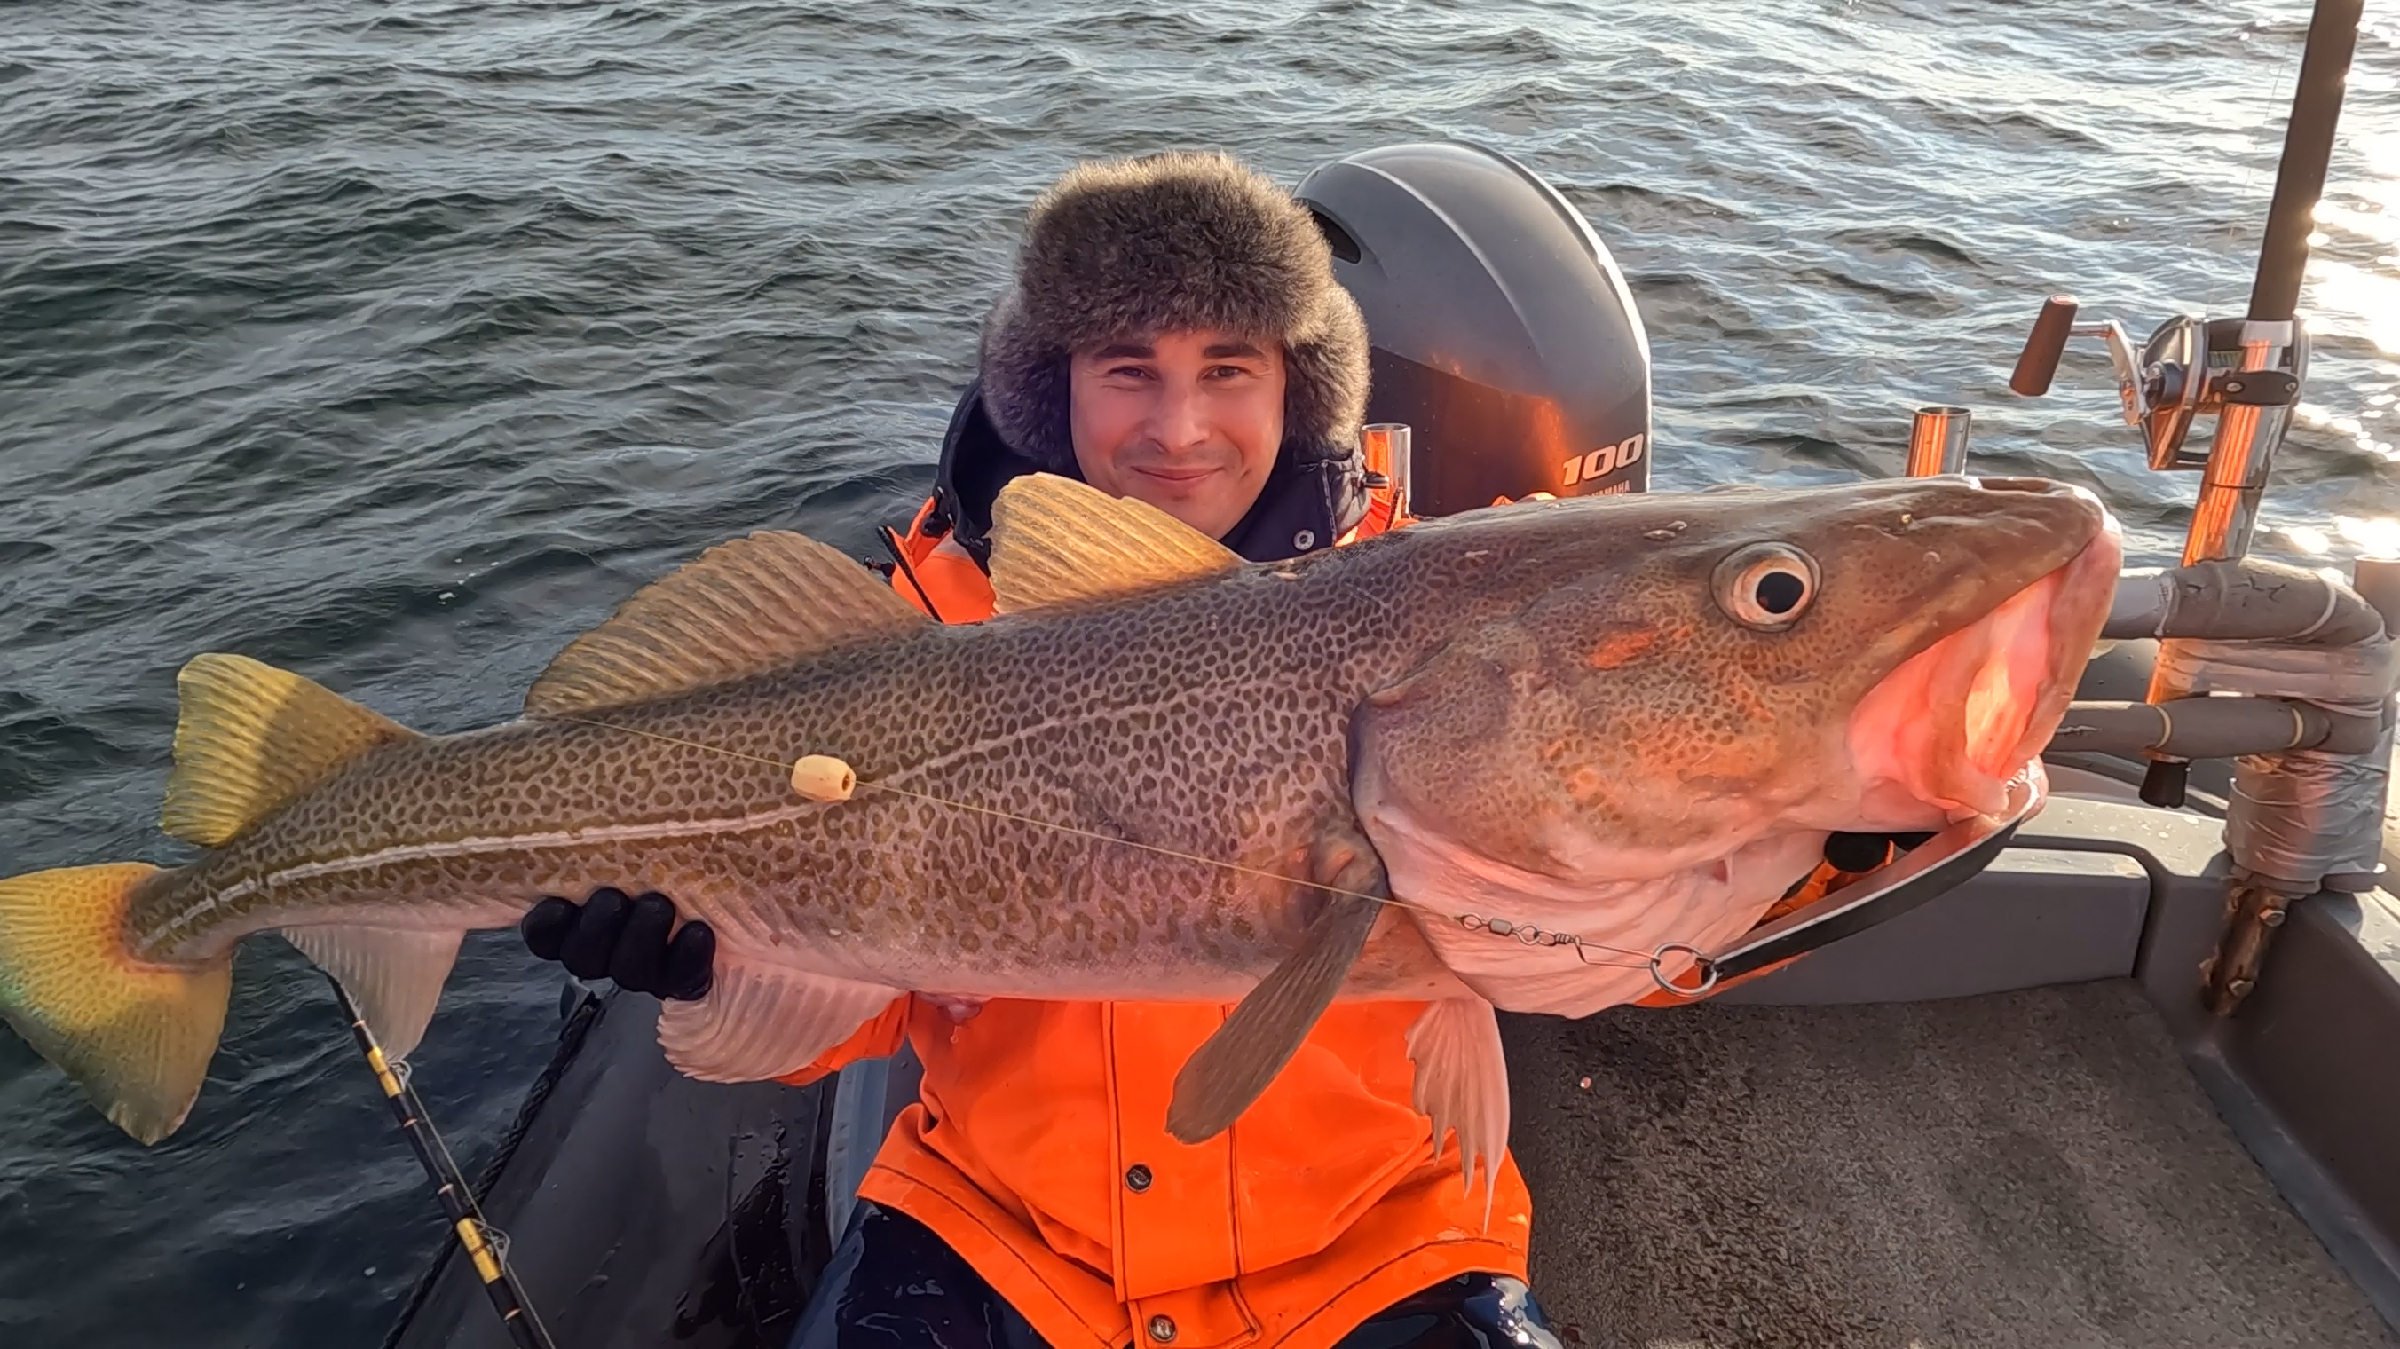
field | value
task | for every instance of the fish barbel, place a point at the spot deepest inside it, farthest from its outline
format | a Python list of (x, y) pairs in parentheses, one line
[(1159, 774)]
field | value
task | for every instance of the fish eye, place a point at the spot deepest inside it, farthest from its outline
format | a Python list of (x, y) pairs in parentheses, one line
[(1766, 586)]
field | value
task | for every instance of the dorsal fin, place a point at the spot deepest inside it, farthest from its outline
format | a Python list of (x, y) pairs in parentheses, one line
[(739, 609), (1056, 541), (250, 737)]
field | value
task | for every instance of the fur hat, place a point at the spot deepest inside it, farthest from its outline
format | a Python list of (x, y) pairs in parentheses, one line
[(1166, 243)]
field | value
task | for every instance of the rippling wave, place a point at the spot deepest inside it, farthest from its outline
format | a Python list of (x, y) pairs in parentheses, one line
[(397, 342)]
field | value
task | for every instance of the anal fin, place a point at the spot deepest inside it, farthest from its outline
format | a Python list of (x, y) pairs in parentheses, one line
[(393, 975), (762, 1021), (1229, 1070), (1462, 1084)]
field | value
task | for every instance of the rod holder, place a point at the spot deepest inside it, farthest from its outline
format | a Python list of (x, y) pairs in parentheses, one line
[(2231, 484), (2377, 580), (1385, 447), (1937, 442)]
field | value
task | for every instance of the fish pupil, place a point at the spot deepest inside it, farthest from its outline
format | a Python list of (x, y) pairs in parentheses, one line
[(1779, 592)]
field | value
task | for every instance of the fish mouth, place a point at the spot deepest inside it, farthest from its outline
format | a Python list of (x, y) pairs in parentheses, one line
[(1942, 736)]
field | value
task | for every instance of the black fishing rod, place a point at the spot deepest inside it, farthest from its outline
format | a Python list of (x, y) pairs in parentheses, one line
[(2260, 395), (480, 1240)]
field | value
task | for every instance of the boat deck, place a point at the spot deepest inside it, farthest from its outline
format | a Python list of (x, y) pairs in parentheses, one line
[(2036, 1168)]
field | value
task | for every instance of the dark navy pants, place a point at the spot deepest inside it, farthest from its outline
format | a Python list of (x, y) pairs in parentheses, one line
[(894, 1285)]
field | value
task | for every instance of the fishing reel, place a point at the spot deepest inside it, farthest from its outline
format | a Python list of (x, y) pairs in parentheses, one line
[(2189, 367)]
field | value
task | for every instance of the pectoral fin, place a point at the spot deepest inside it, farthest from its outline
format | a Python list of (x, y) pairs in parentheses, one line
[(1229, 1071)]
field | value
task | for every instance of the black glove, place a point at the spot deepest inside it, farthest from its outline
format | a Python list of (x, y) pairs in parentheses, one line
[(611, 937)]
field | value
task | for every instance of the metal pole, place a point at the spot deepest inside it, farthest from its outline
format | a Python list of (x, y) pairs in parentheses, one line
[(1937, 442), (2244, 449), (483, 1243)]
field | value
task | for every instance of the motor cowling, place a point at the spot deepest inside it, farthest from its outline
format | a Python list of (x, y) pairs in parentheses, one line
[(1502, 332)]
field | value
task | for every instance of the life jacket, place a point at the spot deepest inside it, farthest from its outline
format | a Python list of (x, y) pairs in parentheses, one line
[(1038, 1147)]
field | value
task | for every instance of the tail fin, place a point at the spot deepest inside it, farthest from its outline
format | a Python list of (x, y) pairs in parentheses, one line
[(136, 1037)]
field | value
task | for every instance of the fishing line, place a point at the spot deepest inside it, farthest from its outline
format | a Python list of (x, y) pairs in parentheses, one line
[(1525, 933)]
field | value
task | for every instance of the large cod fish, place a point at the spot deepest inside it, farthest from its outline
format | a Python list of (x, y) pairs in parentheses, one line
[(1160, 774)]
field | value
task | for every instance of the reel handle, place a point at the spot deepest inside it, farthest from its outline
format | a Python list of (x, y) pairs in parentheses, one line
[(2039, 361)]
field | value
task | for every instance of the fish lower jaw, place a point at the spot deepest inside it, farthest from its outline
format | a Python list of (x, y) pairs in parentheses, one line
[(1617, 918)]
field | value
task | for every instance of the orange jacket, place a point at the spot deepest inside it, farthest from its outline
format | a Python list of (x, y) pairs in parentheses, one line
[(1038, 1150)]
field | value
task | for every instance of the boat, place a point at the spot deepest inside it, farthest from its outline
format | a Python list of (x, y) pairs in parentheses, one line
[(2069, 1079)]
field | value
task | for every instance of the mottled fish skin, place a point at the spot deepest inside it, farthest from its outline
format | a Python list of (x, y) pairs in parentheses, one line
[(1212, 718)]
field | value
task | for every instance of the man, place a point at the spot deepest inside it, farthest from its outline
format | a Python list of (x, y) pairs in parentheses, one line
[(1174, 334), (1110, 250)]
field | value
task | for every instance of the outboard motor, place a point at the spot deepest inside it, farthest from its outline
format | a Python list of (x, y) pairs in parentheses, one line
[(1502, 332)]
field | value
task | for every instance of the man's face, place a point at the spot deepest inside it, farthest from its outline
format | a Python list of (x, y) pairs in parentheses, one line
[(1189, 422)]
